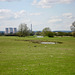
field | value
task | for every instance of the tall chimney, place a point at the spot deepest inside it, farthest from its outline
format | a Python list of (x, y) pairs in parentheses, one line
[(31, 27)]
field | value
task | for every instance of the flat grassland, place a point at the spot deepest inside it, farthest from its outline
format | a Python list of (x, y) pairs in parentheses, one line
[(18, 56)]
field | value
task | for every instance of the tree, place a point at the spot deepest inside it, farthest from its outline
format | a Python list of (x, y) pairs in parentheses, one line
[(32, 33), (73, 28), (38, 33), (23, 30), (73, 34), (47, 32), (60, 33)]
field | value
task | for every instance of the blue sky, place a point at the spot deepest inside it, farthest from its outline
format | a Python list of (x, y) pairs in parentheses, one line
[(56, 14)]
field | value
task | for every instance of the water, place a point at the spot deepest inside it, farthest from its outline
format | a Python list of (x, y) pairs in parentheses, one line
[(48, 43)]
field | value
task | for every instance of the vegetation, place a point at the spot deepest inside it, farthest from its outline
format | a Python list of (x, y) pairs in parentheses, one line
[(38, 33), (21, 57), (63, 34), (23, 30), (15, 34), (32, 33), (47, 32), (73, 28), (1, 34), (73, 34)]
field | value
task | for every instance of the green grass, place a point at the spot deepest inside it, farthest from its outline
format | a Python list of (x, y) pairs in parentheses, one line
[(18, 57)]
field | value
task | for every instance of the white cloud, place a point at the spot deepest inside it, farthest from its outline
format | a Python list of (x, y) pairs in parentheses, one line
[(68, 15), (62, 22), (35, 14), (54, 20), (1, 17), (8, 14), (9, 0), (8, 18), (35, 1), (50, 3), (20, 14), (4, 11), (46, 6)]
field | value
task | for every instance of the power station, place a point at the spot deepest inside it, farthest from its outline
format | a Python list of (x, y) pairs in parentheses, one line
[(10, 30)]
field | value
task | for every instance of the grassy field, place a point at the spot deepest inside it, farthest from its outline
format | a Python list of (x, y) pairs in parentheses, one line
[(20, 57)]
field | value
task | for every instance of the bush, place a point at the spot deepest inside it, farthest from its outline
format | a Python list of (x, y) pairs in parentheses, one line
[(38, 33), (32, 33), (49, 34), (73, 34), (11, 34), (2, 34), (60, 34)]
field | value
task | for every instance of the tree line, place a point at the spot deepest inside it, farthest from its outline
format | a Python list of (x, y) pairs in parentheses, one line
[(24, 31)]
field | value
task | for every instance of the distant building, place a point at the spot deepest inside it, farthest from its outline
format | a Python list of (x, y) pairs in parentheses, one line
[(10, 30), (6, 30), (31, 27), (14, 30)]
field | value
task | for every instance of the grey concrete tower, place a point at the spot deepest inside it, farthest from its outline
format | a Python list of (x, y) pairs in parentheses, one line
[(31, 27)]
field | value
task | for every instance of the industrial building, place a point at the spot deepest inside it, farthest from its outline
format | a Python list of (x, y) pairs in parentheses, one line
[(10, 30), (14, 30), (6, 30)]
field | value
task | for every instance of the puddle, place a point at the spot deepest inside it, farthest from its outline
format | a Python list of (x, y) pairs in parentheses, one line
[(42, 42), (39, 36), (48, 43)]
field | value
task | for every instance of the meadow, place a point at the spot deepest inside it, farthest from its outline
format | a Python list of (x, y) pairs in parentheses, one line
[(21, 57)]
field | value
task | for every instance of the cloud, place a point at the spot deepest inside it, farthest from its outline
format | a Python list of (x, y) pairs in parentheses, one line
[(8, 14), (1, 17), (4, 11), (68, 15), (20, 14), (35, 14), (50, 3), (9, 0), (9, 18), (54, 20), (46, 6), (62, 22), (35, 1)]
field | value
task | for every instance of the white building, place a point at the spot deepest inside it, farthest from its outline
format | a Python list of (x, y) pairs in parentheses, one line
[(14, 30), (10, 30), (6, 30)]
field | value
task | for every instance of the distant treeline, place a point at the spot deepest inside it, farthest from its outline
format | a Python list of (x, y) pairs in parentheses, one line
[(39, 33), (24, 31)]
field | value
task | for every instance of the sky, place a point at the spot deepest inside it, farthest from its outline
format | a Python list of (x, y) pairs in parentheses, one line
[(55, 14)]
